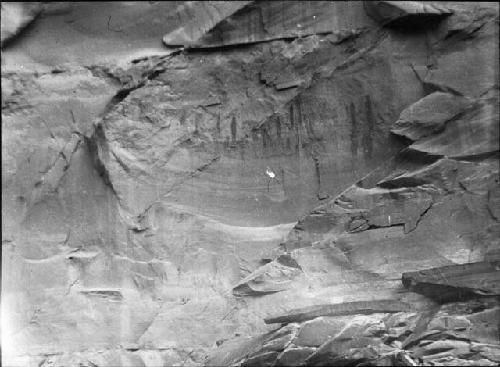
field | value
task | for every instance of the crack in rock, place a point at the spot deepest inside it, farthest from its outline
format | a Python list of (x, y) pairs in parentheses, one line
[(189, 176), (53, 176), (420, 217)]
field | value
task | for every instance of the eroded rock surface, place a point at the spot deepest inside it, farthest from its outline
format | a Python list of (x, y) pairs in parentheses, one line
[(429, 115), (406, 13), (16, 16), (456, 282), (139, 225), (255, 21)]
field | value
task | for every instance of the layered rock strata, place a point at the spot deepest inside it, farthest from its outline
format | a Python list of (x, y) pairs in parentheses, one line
[(139, 226)]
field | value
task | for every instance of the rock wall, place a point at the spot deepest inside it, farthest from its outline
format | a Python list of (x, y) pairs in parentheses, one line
[(139, 226)]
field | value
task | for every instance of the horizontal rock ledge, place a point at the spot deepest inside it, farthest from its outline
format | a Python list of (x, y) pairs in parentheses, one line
[(340, 309), (456, 282)]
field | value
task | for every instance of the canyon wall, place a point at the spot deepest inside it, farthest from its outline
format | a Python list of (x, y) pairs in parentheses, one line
[(139, 226)]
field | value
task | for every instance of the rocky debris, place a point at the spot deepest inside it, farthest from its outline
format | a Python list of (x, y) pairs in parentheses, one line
[(456, 282), (343, 339), (455, 333), (405, 13), (429, 115), (314, 332), (15, 17), (342, 309), (458, 333), (348, 350), (294, 356), (273, 277)]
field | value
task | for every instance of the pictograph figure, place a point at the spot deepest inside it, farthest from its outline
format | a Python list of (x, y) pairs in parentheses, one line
[(272, 176)]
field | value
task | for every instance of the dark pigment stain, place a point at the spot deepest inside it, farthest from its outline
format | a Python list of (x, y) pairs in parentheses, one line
[(354, 130), (218, 126), (278, 127), (266, 139), (370, 119), (233, 128)]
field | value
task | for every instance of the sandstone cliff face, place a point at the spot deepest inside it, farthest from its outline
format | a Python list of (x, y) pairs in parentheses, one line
[(140, 227)]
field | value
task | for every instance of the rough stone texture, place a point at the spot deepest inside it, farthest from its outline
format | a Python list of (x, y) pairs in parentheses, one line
[(15, 17), (456, 282), (258, 21), (139, 227), (405, 13), (429, 115), (199, 18), (349, 308), (459, 333), (270, 278), (479, 136)]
